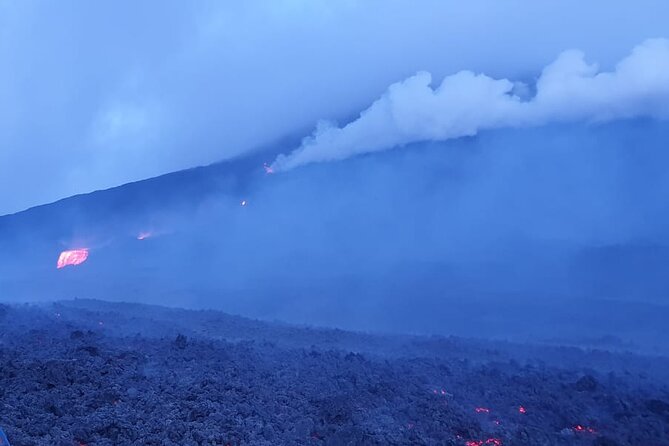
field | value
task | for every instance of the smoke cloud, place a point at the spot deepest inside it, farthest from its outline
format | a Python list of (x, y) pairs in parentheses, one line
[(569, 89)]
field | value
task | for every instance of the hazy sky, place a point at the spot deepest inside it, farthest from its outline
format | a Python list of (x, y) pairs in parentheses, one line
[(96, 94)]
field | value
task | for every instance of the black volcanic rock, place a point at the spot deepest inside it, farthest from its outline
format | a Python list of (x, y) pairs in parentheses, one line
[(587, 383), (658, 406), (181, 342), (307, 387)]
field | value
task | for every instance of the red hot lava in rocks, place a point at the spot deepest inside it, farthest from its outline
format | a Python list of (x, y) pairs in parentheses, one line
[(489, 441), (579, 428), (482, 410), (522, 409), (72, 257)]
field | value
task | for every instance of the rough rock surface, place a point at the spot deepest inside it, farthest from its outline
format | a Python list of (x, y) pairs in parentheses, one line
[(92, 373)]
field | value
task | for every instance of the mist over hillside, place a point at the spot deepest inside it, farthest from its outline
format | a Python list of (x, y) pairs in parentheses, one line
[(558, 231)]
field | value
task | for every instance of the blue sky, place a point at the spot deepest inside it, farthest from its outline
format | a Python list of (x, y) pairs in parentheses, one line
[(96, 94)]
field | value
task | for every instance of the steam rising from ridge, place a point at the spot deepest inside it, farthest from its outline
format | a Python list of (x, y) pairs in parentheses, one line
[(569, 89)]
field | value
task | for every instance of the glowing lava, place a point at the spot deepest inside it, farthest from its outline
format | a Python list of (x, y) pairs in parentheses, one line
[(521, 409), (579, 428), (489, 441), (482, 410), (441, 392), (72, 257)]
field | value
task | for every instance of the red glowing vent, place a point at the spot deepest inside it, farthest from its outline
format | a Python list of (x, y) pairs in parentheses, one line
[(72, 257), (579, 428), (489, 442)]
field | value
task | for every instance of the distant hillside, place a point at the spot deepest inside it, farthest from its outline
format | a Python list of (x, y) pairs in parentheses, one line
[(109, 208), (511, 234)]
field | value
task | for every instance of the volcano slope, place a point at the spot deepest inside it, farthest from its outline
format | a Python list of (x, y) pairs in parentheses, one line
[(95, 373)]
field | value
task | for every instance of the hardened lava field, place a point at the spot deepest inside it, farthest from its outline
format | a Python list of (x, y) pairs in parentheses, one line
[(92, 373)]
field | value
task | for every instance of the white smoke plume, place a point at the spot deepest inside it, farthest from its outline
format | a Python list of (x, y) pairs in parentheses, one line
[(569, 89)]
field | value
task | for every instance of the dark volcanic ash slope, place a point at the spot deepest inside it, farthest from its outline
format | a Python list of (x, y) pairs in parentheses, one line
[(92, 373)]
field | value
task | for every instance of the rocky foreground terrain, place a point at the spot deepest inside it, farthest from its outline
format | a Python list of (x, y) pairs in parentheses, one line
[(94, 373)]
